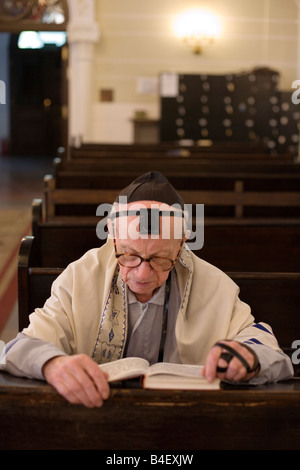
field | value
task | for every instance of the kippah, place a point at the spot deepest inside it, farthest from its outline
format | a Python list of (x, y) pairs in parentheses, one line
[(152, 186)]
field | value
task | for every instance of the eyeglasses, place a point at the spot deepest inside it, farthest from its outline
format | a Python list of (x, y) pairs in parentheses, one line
[(157, 263)]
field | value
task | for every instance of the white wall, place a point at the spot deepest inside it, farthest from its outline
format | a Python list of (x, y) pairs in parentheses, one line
[(137, 40), (112, 122)]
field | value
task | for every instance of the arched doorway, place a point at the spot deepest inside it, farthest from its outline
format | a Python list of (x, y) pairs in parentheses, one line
[(37, 92)]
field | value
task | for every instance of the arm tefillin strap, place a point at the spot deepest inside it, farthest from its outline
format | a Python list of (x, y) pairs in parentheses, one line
[(165, 320), (233, 353)]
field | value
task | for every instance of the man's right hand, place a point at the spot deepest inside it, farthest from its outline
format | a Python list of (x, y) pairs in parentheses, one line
[(78, 379)]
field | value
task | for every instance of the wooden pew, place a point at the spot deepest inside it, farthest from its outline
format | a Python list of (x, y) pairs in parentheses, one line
[(235, 196), (231, 244), (202, 145), (205, 149), (171, 164), (173, 423), (165, 424), (273, 297), (86, 174)]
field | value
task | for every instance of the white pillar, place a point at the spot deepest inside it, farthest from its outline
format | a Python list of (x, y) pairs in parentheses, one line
[(298, 52), (83, 33)]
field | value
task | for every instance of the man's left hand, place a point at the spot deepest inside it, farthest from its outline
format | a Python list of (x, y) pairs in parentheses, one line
[(235, 370)]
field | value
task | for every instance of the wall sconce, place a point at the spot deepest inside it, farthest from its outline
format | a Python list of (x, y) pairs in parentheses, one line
[(197, 28)]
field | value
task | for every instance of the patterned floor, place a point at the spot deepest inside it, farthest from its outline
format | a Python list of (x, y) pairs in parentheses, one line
[(21, 180), (14, 224)]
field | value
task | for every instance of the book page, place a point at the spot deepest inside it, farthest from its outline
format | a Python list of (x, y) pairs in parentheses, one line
[(126, 368), (167, 376), (183, 370)]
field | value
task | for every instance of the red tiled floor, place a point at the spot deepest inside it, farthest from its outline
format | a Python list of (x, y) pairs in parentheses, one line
[(21, 180)]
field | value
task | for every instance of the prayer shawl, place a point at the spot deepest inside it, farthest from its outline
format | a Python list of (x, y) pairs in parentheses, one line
[(87, 310)]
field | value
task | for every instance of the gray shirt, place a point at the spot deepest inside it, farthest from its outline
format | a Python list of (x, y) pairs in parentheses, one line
[(145, 322)]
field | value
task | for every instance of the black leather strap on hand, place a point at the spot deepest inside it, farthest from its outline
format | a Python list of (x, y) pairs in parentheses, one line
[(256, 365), (227, 357), (234, 353)]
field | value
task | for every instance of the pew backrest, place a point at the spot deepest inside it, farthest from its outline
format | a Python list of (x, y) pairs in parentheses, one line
[(271, 245), (233, 196)]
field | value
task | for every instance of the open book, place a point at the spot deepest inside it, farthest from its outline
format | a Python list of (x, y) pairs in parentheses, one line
[(162, 375)]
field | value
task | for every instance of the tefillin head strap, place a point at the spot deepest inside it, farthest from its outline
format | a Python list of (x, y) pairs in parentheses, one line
[(149, 218)]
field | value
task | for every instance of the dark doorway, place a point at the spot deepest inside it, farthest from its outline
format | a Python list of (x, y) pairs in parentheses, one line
[(38, 99)]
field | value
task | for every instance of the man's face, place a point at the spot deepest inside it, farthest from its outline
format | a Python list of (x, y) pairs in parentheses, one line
[(143, 280)]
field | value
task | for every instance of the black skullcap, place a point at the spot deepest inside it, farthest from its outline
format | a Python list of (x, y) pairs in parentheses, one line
[(152, 186)]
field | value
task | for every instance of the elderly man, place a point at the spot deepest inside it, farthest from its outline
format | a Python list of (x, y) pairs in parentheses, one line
[(145, 294)]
